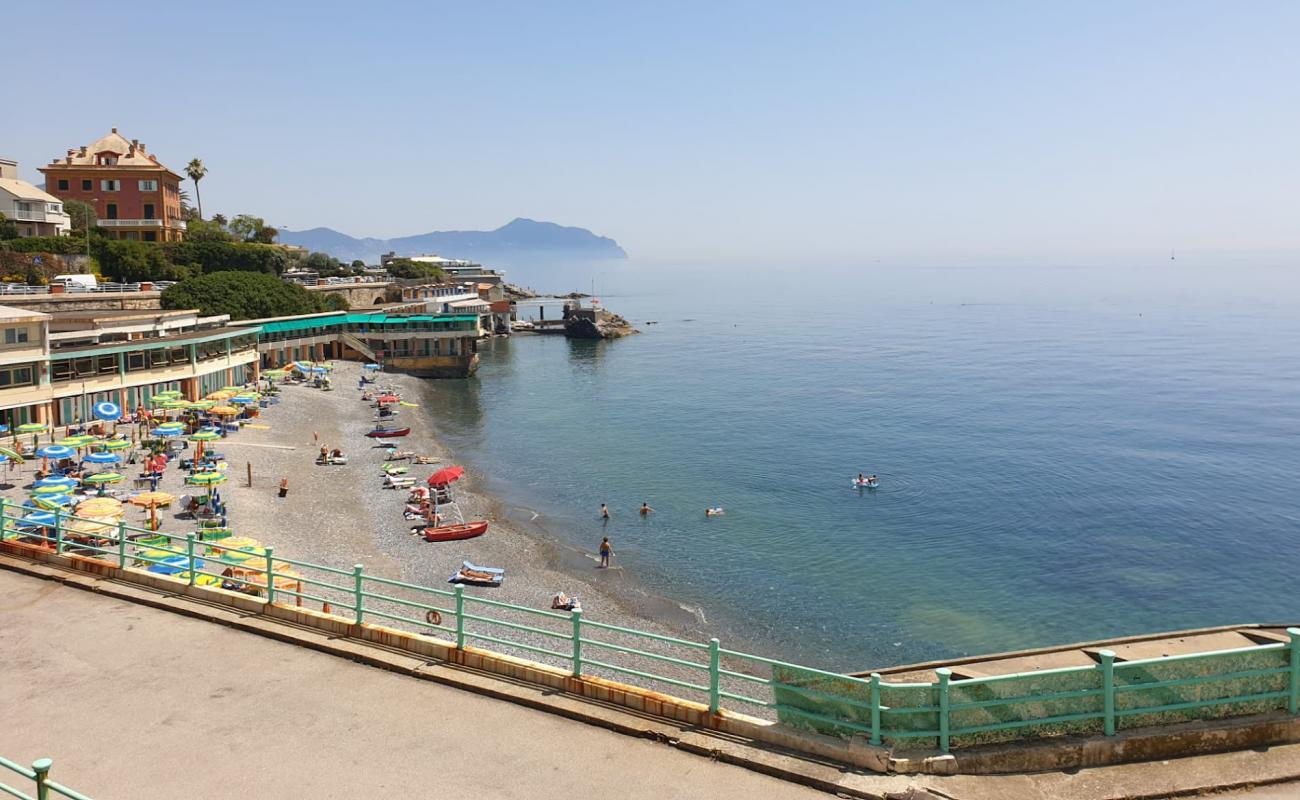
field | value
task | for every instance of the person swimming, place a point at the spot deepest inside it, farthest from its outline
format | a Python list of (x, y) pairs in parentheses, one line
[(713, 512)]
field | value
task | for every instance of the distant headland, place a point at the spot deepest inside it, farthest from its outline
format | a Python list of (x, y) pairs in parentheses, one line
[(520, 240)]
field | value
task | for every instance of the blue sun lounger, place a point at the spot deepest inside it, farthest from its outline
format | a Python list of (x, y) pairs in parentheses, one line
[(474, 576)]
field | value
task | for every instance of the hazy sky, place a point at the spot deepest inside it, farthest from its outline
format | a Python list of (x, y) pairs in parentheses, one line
[(801, 131)]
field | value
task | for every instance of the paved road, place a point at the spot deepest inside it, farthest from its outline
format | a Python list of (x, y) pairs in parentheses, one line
[(132, 702)]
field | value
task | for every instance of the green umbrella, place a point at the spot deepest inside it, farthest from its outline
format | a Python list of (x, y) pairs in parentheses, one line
[(112, 445), (201, 405), (170, 394), (206, 478), (31, 427), (48, 491), (204, 436), (101, 478), (14, 454), (76, 441)]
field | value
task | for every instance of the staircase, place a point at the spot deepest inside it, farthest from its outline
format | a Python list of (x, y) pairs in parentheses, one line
[(358, 345)]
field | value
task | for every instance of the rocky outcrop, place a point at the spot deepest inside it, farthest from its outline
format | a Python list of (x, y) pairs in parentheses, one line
[(603, 326), (513, 292)]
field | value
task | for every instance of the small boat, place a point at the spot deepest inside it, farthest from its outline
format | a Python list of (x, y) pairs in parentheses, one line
[(478, 576), (453, 533), (388, 433)]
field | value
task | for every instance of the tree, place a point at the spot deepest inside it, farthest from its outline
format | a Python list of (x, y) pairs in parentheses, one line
[(131, 261), (335, 302), (220, 219), (196, 171), (358, 264), (242, 295), (83, 215), (249, 228), (406, 268), (200, 230), (8, 228), (213, 255)]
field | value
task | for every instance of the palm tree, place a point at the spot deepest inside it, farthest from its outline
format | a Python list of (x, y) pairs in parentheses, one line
[(196, 171)]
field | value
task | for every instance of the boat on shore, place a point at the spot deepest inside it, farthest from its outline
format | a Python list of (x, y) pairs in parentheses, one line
[(388, 433), (453, 533)]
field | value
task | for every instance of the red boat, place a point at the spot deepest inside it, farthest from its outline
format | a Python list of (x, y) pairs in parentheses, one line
[(452, 533), (388, 433)]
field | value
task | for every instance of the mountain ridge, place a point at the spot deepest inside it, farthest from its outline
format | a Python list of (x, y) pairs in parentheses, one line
[(521, 240)]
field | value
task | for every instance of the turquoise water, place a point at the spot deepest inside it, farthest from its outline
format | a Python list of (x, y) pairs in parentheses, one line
[(1064, 454)]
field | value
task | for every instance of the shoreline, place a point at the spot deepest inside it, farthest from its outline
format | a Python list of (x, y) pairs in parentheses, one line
[(364, 522)]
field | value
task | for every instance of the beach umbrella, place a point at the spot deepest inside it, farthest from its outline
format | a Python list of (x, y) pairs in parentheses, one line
[(37, 519), (224, 411), (205, 435), (165, 562), (446, 475), (49, 491), (31, 427), (53, 502), (56, 451), (103, 458), (152, 501), (102, 479), (10, 453), (220, 395), (370, 366), (4, 428), (109, 412), (388, 398), (206, 479), (99, 507), (76, 441), (202, 405), (113, 445), (169, 394), (200, 579), (59, 480), (92, 526), (275, 374), (167, 431), (243, 400)]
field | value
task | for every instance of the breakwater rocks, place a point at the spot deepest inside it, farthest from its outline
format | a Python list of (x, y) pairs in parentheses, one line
[(600, 325)]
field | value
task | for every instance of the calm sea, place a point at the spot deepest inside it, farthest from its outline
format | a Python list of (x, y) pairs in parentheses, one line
[(1064, 454)]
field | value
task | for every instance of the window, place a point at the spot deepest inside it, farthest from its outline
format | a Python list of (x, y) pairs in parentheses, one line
[(150, 236), (108, 159), (148, 186), (110, 186), (158, 358), (16, 335), (107, 365), (111, 210), (54, 208), (135, 361), (86, 185), (63, 184), (16, 376), (148, 210)]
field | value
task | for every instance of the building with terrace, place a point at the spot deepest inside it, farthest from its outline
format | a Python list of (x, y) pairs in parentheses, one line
[(427, 345), (33, 211), (134, 195)]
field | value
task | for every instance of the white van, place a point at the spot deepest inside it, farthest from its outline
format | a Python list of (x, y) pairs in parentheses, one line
[(70, 281)]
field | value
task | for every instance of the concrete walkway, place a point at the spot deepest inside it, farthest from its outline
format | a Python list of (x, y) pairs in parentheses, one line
[(132, 702)]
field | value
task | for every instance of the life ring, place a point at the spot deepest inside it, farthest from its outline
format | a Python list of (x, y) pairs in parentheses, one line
[(433, 617)]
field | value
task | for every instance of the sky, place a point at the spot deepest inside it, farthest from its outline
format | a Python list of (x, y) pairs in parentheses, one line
[(718, 132)]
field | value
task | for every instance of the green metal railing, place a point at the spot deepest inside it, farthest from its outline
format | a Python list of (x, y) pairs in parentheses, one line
[(949, 712), (39, 775)]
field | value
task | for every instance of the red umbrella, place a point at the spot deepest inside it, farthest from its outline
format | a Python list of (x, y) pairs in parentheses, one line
[(445, 476), (389, 398)]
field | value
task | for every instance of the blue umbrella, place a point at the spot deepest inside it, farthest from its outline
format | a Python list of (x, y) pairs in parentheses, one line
[(60, 480), (164, 432), (103, 458), (109, 412), (243, 400), (37, 519), (370, 366), (173, 564), (56, 451), (4, 428)]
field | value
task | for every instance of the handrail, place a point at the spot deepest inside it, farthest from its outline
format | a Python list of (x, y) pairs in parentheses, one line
[(1099, 698), (39, 774)]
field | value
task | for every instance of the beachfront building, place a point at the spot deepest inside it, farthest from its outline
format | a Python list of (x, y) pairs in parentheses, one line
[(35, 212), (427, 345), (133, 194), (456, 269), (54, 367)]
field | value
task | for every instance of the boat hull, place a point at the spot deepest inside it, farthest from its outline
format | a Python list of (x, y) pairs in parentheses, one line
[(453, 533), (388, 433)]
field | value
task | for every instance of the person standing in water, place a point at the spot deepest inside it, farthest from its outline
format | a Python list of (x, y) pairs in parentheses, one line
[(604, 511), (606, 552), (645, 509)]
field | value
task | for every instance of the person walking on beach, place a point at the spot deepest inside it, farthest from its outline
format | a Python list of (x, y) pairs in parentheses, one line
[(604, 511), (606, 552)]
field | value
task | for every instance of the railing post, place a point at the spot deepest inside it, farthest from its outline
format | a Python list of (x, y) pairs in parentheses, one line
[(715, 675), (945, 675), (121, 545), (270, 578), (1108, 689), (189, 554), (1293, 700), (875, 708), (460, 617), (576, 616), (4, 518), (357, 578), (58, 531), (41, 767)]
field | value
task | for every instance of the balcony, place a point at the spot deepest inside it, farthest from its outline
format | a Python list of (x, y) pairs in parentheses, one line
[(37, 215), (139, 223)]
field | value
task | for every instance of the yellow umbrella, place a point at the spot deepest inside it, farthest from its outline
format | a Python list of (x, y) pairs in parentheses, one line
[(219, 395), (99, 507), (94, 526), (151, 501), (224, 411)]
